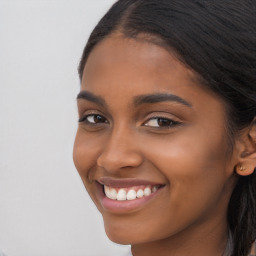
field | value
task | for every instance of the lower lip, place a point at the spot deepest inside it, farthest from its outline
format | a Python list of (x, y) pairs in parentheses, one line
[(121, 207)]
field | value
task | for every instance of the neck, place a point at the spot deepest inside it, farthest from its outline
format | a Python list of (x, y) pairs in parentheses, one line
[(211, 241)]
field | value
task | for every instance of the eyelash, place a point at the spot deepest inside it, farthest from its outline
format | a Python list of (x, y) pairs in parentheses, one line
[(168, 123), (84, 119)]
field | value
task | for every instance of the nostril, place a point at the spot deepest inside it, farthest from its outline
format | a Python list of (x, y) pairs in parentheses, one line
[(119, 160)]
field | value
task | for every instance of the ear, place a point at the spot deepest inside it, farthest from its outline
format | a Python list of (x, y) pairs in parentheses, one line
[(247, 149)]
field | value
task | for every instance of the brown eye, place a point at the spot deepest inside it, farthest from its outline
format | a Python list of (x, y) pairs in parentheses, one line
[(160, 122), (93, 119)]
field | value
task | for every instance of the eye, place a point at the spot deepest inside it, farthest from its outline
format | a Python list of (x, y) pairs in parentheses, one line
[(160, 122), (93, 119)]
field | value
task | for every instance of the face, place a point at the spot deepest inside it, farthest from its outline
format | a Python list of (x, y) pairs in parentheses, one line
[(151, 146)]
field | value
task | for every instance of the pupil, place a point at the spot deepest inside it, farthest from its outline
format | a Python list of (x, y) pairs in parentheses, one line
[(163, 122), (98, 119)]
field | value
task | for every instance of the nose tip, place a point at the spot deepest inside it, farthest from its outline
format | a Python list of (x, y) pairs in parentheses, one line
[(115, 162), (117, 156)]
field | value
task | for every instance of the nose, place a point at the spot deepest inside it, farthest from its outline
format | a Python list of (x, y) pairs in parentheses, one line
[(120, 151)]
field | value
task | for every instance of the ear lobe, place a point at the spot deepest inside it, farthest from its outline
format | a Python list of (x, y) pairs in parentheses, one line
[(247, 159), (244, 171)]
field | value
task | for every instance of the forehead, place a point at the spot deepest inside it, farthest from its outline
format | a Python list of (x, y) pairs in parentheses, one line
[(121, 56), (123, 66)]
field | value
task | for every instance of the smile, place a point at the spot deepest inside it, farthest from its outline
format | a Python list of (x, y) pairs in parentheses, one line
[(130, 193), (120, 196)]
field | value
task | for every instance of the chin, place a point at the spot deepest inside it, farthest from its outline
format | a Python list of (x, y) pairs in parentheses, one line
[(123, 239), (121, 234), (125, 234)]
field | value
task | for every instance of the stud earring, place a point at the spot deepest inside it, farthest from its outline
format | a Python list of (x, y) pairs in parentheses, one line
[(241, 168)]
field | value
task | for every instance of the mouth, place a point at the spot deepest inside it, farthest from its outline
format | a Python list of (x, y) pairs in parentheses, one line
[(130, 193), (126, 195)]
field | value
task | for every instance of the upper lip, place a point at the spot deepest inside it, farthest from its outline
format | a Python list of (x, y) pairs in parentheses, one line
[(125, 183)]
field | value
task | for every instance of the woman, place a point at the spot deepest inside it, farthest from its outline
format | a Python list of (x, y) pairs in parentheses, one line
[(166, 143)]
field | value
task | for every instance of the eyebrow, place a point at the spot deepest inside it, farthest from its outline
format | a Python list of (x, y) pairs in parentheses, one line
[(85, 95), (138, 100), (160, 97)]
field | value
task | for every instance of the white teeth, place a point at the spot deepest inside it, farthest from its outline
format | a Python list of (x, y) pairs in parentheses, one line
[(106, 189), (131, 195), (140, 193), (147, 191), (121, 195), (113, 194)]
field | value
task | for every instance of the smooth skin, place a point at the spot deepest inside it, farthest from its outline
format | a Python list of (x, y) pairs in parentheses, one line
[(182, 144)]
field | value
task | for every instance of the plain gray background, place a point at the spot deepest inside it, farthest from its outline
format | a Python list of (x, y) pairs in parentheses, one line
[(44, 208)]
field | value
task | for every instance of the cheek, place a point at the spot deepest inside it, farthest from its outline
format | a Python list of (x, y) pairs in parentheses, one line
[(190, 150), (85, 153), (194, 166)]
